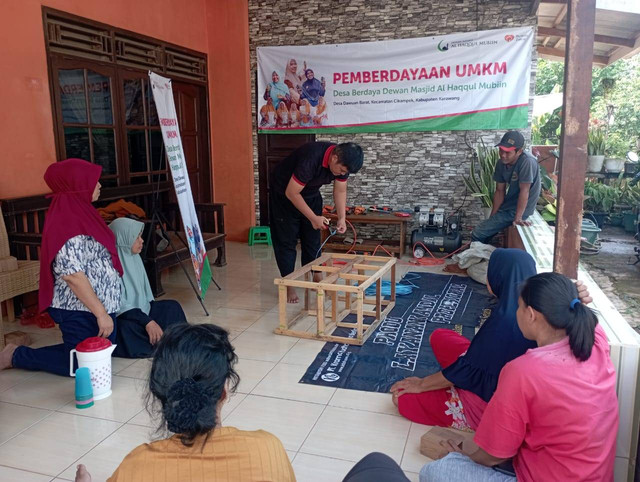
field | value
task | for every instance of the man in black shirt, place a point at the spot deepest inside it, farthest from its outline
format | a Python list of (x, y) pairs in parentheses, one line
[(296, 203)]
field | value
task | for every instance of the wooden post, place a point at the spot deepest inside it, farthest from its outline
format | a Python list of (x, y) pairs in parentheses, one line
[(347, 294), (393, 283), (307, 277), (320, 310), (573, 144), (379, 299), (282, 306), (360, 314)]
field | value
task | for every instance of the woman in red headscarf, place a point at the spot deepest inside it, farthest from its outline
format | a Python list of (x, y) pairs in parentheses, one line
[(79, 269)]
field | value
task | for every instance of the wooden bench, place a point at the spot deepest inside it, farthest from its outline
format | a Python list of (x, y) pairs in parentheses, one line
[(24, 219), (624, 342)]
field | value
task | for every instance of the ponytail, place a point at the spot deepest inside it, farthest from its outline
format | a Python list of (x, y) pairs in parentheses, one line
[(191, 367), (556, 297)]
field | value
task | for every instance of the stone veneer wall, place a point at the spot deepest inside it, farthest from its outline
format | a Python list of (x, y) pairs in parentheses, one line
[(401, 169)]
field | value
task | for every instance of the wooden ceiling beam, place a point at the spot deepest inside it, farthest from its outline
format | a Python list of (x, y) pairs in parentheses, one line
[(559, 53), (605, 39)]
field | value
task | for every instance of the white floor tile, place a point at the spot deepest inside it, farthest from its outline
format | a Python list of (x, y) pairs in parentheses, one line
[(282, 382), (413, 460), (119, 364), (11, 378), (313, 468), (138, 369), (251, 372), (288, 420), (412, 476), (352, 434), (230, 405), (16, 418), (15, 475), (233, 318), (258, 346), (42, 390), (368, 401), (53, 444), (104, 459), (304, 352), (126, 400)]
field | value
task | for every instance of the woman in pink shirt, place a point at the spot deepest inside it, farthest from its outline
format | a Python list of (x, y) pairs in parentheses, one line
[(555, 410)]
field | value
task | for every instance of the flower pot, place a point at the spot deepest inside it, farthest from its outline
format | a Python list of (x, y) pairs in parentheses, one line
[(614, 165), (598, 218), (630, 167), (594, 163), (615, 219), (590, 231), (486, 212), (630, 221)]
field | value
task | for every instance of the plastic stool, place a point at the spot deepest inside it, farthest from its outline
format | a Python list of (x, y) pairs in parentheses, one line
[(259, 235)]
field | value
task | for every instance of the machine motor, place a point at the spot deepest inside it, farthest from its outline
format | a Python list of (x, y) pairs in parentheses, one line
[(437, 232)]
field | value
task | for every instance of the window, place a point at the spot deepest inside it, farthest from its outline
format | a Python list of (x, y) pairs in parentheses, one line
[(87, 118), (104, 110)]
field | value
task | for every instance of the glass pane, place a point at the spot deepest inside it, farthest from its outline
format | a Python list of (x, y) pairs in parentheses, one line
[(152, 113), (140, 180), (133, 108), (99, 98), (72, 97), (76, 143), (104, 150), (137, 143), (158, 177), (158, 157), (111, 182)]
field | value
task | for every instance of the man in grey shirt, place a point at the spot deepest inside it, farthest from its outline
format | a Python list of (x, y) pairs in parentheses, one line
[(514, 205)]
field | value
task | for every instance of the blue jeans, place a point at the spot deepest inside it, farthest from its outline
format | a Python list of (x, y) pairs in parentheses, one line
[(492, 226), (75, 326), (461, 468)]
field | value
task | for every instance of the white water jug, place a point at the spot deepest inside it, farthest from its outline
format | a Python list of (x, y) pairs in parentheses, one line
[(95, 354)]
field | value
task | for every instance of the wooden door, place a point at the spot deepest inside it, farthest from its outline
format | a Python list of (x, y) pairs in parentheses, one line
[(273, 148), (191, 107)]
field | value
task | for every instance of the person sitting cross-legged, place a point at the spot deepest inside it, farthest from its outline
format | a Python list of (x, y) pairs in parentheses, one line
[(555, 410), (141, 320)]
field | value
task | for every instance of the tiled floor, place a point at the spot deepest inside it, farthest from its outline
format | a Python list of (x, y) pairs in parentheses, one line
[(324, 430)]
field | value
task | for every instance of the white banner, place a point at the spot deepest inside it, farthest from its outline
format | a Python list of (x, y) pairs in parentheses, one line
[(163, 96), (462, 81)]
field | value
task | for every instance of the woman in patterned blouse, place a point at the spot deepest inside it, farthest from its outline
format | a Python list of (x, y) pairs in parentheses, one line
[(79, 269)]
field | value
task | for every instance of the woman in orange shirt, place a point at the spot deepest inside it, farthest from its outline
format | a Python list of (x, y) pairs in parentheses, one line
[(191, 377)]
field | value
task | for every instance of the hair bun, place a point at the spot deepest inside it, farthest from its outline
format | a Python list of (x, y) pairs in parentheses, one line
[(185, 400)]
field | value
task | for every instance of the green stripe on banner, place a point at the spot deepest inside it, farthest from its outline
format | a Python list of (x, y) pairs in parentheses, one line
[(513, 118), (205, 278)]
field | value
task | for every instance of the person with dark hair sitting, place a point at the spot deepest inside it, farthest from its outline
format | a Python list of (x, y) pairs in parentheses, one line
[(191, 378), (555, 410), (296, 203)]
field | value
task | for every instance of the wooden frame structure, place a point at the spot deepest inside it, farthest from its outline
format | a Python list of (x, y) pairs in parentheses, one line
[(342, 271)]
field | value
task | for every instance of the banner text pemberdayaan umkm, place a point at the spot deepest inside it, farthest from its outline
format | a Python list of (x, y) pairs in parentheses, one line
[(419, 73)]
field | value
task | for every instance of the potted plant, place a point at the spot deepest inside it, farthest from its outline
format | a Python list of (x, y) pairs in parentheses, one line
[(596, 146), (599, 200), (480, 182)]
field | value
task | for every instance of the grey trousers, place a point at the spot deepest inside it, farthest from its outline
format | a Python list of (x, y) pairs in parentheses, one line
[(457, 467)]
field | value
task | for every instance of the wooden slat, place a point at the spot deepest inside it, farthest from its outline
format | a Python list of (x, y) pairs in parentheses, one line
[(605, 39), (355, 277)]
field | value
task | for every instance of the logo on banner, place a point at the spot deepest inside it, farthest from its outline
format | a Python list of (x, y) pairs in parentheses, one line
[(443, 48), (509, 37), (330, 377)]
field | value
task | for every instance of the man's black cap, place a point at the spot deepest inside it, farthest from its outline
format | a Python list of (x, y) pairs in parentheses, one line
[(511, 140)]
